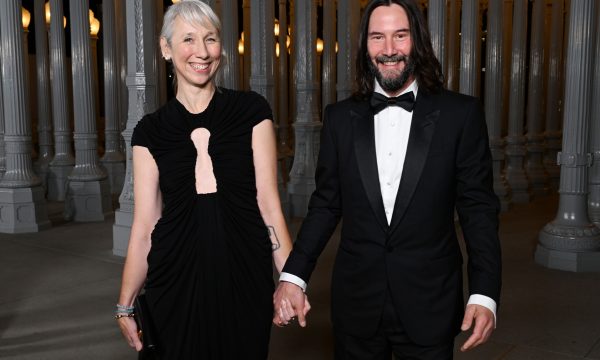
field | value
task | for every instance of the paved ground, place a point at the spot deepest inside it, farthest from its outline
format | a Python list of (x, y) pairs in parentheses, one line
[(58, 289)]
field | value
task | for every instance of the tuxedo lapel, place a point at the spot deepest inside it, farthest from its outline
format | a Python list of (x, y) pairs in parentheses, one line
[(366, 158), (422, 127)]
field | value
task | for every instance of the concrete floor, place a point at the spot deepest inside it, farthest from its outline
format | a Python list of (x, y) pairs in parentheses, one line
[(58, 289)]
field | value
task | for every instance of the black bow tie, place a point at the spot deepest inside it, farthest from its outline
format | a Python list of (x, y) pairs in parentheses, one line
[(380, 101)]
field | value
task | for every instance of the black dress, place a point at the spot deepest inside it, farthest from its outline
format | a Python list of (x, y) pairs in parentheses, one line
[(210, 275)]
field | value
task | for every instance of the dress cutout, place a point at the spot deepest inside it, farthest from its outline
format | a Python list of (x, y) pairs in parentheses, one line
[(210, 272), (205, 178)]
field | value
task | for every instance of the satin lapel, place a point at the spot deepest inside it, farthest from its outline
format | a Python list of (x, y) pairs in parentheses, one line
[(421, 132), (366, 158)]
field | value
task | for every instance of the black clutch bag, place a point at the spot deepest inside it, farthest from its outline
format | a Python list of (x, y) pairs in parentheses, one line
[(144, 322)]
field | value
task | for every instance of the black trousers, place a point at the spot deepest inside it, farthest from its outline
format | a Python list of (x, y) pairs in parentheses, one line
[(389, 339)]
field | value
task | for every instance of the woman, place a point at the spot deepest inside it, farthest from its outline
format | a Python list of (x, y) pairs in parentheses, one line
[(207, 220)]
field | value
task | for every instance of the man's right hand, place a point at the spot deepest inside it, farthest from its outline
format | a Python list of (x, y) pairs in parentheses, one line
[(289, 301)]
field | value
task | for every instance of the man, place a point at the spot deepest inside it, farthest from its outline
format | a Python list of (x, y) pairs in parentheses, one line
[(395, 170)]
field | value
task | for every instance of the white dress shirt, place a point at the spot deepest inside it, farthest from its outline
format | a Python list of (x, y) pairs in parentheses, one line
[(392, 129)]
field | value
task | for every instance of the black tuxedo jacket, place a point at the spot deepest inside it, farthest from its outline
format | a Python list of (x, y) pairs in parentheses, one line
[(417, 257)]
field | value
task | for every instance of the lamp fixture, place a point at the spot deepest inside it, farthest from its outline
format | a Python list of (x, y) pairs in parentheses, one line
[(48, 17), (25, 18), (94, 27), (319, 46)]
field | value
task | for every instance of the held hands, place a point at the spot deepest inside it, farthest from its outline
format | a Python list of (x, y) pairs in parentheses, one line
[(130, 332), (484, 325), (289, 301)]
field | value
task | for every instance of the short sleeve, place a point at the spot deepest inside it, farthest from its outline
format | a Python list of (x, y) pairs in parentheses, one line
[(259, 109), (140, 136)]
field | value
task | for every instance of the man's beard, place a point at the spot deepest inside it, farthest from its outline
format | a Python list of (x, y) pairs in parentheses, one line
[(394, 83)]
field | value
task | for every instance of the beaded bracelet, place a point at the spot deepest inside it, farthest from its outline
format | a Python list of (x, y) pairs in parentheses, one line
[(118, 316), (124, 309)]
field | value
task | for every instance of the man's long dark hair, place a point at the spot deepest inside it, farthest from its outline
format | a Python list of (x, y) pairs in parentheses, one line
[(428, 71)]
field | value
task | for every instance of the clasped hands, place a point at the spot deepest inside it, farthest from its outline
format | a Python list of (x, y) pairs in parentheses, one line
[(289, 303)]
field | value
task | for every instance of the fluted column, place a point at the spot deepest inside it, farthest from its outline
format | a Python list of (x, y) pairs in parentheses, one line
[(436, 18), (229, 39), (44, 126), (2, 144), (328, 60), (594, 195), (113, 159), (121, 43), (348, 26), (571, 242), (452, 75), (307, 125), (493, 97), (63, 161), (17, 117), (515, 148), (96, 96), (284, 151), (25, 39), (88, 194), (161, 66), (291, 66), (163, 80), (141, 83), (507, 25), (470, 49), (22, 203), (553, 97), (283, 121), (535, 137), (262, 74)]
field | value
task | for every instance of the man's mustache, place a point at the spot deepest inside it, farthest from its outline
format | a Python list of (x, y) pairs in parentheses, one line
[(392, 58)]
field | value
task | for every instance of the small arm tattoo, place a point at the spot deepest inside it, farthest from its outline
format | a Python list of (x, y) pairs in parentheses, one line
[(275, 244)]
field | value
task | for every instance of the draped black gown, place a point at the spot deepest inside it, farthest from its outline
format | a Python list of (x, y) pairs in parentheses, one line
[(210, 279)]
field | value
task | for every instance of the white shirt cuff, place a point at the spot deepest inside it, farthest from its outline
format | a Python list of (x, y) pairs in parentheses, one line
[(293, 279), (484, 301)]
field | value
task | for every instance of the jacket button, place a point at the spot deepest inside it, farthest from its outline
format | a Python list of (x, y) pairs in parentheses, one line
[(390, 248)]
